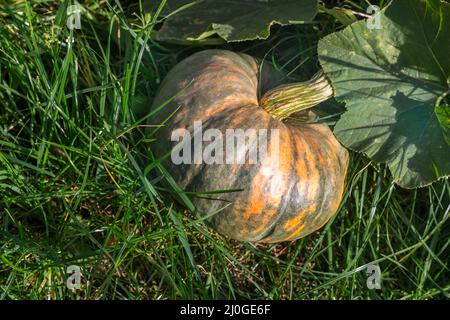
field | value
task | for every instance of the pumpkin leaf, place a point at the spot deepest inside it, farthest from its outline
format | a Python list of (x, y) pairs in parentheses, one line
[(391, 79), (235, 20)]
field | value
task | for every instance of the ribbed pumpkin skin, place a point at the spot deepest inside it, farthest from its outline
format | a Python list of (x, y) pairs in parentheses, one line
[(278, 202)]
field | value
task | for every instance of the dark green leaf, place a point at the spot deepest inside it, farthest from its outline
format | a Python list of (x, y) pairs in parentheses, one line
[(391, 79), (233, 20)]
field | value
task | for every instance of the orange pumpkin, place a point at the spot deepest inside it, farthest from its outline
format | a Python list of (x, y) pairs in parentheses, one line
[(277, 200)]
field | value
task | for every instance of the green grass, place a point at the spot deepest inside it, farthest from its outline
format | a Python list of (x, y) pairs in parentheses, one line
[(78, 185)]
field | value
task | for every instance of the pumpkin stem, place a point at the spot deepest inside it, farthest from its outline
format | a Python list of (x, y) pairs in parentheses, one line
[(284, 100)]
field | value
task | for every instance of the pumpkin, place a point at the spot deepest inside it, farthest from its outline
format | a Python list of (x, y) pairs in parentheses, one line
[(272, 201)]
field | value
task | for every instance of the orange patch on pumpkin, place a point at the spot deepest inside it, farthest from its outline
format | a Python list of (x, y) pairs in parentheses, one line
[(228, 102), (297, 221), (268, 215), (277, 176)]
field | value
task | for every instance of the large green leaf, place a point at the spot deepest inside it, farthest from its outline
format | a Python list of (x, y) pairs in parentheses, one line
[(391, 80), (233, 20)]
